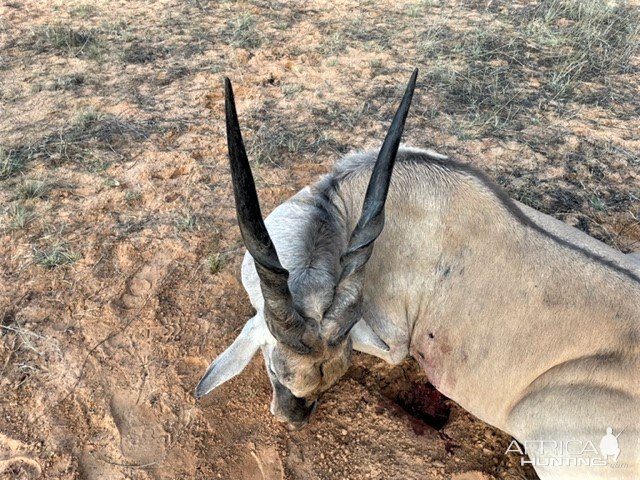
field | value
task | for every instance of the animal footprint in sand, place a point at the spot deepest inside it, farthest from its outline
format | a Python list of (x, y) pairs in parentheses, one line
[(143, 441), (14, 462), (144, 282)]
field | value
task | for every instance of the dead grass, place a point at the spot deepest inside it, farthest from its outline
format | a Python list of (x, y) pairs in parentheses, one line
[(594, 179), (11, 163), (57, 255), (186, 221), (277, 140), (32, 189), (599, 36), (132, 197), (70, 81), (17, 217), (126, 105), (242, 32), (64, 39), (91, 139), (84, 11), (277, 143), (488, 74), (141, 53)]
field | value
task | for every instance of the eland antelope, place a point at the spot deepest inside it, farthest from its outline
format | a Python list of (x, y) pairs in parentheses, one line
[(527, 323)]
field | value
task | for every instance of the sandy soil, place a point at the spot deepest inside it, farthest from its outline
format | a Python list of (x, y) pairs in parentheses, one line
[(119, 279)]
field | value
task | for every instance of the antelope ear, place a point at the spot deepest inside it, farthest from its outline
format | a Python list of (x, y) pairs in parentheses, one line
[(235, 358), (365, 340)]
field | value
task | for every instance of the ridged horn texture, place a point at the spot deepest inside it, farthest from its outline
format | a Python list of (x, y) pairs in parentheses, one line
[(371, 220), (283, 322)]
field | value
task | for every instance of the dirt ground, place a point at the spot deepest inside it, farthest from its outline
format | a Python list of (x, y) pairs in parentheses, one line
[(119, 279)]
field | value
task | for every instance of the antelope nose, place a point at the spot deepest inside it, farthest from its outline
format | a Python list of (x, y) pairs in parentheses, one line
[(290, 424), (293, 420), (297, 425)]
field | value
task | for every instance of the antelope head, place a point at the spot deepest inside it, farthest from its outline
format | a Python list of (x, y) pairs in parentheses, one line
[(305, 352)]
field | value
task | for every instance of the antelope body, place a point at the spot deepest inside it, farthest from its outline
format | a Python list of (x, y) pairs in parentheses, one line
[(529, 324)]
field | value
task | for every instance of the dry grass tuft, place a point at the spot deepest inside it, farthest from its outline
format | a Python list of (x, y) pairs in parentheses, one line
[(55, 256), (17, 216), (242, 32), (11, 163), (64, 39)]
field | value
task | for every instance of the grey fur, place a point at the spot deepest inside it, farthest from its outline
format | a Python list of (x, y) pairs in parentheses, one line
[(531, 325)]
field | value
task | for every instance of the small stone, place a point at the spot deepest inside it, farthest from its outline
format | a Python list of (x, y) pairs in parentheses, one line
[(343, 431)]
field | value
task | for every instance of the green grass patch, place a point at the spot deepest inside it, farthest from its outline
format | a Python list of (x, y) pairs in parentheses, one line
[(215, 262)]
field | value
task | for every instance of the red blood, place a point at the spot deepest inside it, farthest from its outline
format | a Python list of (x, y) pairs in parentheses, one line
[(426, 407)]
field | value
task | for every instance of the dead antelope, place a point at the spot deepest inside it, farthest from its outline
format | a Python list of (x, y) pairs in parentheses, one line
[(531, 325)]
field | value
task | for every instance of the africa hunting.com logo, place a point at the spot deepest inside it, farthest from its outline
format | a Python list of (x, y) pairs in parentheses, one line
[(567, 453)]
